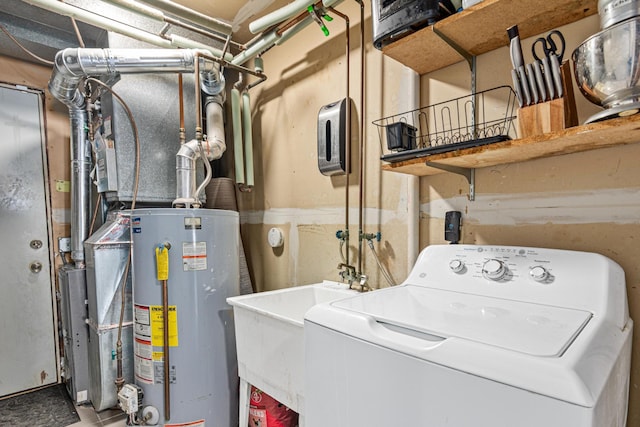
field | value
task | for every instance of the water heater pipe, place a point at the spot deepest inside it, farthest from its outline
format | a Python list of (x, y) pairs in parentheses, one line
[(214, 146), (248, 138)]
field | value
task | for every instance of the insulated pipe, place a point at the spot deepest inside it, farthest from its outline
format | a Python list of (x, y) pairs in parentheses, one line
[(248, 138), (80, 183), (290, 32), (278, 16), (193, 16), (120, 28), (256, 48), (237, 135), (158, 15)]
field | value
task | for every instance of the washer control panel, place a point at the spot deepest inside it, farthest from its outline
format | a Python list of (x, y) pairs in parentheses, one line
[(502, 264), (562, 278)]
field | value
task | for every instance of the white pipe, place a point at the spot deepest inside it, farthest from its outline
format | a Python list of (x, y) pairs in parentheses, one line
[(185, 43), (295, 30), (248, 138), (329, 3), (192, 15), (256, 48), (216, 143), (99, 21), (126, 30), (280, 15), (237, 135), (413, 184)]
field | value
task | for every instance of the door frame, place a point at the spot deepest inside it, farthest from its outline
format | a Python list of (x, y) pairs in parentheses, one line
[(48, 213)]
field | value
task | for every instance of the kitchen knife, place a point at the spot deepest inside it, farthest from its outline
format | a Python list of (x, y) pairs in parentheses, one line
[(522, 75), (556, 74), (542, 89), (516, 87), (548, 77), (515, 49), (535, 97)]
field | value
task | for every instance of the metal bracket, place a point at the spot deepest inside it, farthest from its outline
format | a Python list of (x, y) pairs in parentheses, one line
[(470, 174)]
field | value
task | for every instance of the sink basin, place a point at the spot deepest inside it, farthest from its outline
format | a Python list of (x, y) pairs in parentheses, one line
[(269, 330)]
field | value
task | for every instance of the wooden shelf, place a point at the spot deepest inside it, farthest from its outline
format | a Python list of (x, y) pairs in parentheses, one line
[(482, 28), (580, 138)]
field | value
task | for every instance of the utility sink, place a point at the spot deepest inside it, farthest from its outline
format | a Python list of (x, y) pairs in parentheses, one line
[(269, 330)]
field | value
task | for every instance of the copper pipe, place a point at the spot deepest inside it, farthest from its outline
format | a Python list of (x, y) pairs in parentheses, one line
[(298, 19), (348, 136), (181, 104), (361, 136)]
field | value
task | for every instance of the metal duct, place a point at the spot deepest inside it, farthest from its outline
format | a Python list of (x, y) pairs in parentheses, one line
[(80, 183), (71, 67)]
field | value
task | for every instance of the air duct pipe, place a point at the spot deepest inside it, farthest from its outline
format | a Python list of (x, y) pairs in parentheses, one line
[(80, 182), (70, 68), (214, 146)]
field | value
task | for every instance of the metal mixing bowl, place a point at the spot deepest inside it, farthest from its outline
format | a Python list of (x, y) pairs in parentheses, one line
[(606, 65)]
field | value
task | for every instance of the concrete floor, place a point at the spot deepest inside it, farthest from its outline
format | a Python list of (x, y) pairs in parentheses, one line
[(90, 418)]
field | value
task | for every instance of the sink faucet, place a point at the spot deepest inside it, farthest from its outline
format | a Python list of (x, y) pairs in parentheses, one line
[(350, 275)]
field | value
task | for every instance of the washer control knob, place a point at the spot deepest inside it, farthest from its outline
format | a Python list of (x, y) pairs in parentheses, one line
[(539, 273), (456, 265), (494, 269)]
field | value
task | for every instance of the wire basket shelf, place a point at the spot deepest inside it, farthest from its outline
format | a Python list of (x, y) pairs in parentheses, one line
[(482, 118)]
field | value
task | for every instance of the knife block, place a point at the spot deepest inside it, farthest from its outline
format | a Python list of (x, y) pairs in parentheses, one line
[(550, 116)]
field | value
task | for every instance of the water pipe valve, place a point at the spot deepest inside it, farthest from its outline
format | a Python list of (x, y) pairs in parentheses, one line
[(342, 235), (316, 17), (371, 236)]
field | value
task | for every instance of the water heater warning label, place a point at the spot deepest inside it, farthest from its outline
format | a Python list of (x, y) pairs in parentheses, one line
[(149, 339), (194, 256)]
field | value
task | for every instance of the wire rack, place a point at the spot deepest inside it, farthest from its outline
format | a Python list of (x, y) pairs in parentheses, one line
[(478, 119)]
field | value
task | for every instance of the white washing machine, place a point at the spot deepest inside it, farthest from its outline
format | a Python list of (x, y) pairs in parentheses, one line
[(477, 336)]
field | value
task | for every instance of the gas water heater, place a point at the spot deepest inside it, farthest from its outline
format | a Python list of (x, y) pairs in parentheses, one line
[(185, 266)]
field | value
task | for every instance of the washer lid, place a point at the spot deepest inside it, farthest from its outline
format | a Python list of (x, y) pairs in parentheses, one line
[(534, 329)]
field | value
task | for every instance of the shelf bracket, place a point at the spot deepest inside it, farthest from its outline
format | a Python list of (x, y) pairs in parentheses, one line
[(471, 59), (470, 174)]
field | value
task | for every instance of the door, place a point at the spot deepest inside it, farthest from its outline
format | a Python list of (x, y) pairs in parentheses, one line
[(27, 333)]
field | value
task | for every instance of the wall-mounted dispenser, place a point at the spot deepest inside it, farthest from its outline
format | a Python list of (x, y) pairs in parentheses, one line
[(332, 138)]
